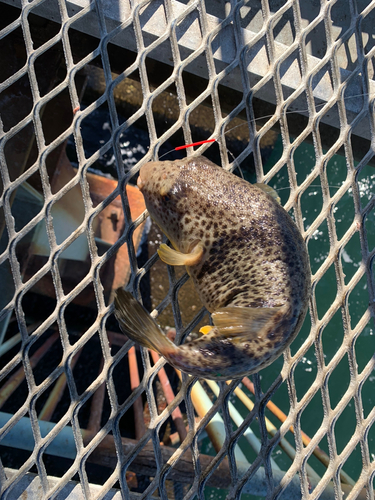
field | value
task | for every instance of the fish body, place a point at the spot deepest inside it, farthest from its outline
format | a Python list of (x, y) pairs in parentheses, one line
[(246, 257)]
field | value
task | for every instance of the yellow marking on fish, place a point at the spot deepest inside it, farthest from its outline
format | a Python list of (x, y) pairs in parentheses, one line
[(205, 329)]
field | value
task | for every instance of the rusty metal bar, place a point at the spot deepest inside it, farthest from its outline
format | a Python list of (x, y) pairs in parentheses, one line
[(272, 430), (134, 383), (318, 452), (56, 393), (96, 408), (97, 402), (118, 339), (274, 409), (169, 396), (215, 428), (18, 377), (10, 343), (238, 420), (7, 345)]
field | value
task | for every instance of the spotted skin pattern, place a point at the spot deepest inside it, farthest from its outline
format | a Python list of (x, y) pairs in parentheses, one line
[(253, 257)]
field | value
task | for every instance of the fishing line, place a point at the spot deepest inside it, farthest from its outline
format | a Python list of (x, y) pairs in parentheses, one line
[(311, 185), (298, 111)]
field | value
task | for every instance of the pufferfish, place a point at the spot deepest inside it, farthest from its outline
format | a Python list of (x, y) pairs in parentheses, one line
[(247, 260)]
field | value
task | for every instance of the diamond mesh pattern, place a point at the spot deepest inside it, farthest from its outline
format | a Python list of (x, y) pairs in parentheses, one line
[(317, 61)]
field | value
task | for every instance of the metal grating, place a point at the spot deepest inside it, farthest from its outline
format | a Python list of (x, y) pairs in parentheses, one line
[(275, 57)]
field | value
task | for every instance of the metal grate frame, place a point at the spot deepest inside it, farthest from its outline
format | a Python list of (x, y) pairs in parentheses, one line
[(236, 45)]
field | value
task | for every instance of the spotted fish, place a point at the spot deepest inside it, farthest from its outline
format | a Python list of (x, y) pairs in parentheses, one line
[(247, 260)]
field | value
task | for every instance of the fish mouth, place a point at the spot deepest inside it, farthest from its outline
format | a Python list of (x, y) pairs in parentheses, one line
[(140, 183), (145, 173)]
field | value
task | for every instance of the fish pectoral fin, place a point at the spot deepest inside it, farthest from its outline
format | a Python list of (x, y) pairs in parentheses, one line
[(267, 189), (137, 324), (175, 258), (235, 321)]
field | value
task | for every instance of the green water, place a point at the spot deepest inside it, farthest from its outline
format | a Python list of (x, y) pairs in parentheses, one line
[(333, 334)]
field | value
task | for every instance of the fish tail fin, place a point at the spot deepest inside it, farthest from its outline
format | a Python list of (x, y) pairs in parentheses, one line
[(138, 325)]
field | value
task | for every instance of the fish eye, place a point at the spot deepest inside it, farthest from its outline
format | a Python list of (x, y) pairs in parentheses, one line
[(165, 198)]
